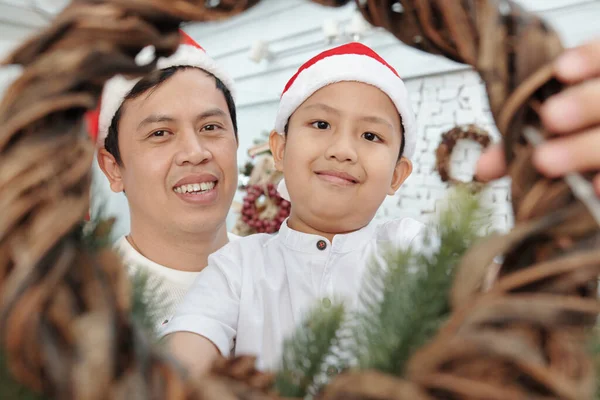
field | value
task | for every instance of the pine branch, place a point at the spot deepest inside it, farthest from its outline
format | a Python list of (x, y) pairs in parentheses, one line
[(11, 389), (305, 352), (94, 235), (147, 294), (594, 353), (406, 297), (147, 302)]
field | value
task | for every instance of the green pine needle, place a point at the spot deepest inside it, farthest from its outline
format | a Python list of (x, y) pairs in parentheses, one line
[(147, 302), (93, 235), (406, 297), (10, 389), (304, 354), (594, 353), (403, 302)]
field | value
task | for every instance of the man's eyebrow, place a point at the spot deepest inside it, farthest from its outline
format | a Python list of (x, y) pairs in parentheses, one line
[(153, 118), (213, 112)]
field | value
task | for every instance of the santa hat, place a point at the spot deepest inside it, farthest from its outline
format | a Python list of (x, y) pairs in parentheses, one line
[(189, 53), (350, 62)]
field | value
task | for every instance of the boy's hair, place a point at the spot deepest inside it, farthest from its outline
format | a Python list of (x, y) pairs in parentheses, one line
[(285, 132), (151, 82)]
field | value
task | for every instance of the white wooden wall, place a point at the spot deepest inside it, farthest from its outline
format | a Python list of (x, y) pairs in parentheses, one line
[(443, 93)]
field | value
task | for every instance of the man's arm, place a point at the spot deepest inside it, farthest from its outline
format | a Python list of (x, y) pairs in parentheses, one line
[(196, 353)]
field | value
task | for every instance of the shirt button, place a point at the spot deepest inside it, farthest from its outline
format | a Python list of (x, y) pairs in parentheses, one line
[(321, 245), (326, 302)]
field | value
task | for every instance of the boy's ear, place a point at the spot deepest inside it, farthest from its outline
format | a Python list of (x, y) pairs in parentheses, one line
[(111, 169), (277, 146), (402, 171)]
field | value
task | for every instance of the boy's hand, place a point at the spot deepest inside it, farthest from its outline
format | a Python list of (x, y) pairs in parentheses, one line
[(575, 110), (196, 353)]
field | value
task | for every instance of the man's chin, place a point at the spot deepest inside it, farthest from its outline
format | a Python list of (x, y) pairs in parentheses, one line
[(209, 223)]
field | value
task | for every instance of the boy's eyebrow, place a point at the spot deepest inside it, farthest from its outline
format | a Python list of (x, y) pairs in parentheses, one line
[(373, 119), (324, 107), (377, 120)]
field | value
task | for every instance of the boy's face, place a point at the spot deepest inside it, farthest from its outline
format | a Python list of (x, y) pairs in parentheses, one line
[(178, 149), (340, 157)]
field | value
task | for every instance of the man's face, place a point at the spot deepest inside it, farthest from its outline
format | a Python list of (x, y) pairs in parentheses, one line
[(178, 151), (340, 158)]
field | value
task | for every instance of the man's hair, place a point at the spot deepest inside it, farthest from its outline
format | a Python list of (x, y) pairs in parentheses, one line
[(151, 82), (285, 131)]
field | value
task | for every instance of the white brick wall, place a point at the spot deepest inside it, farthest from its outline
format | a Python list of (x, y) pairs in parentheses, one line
[(440, 103)]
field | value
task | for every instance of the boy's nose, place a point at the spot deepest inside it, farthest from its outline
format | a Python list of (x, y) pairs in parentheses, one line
[(342, 149)]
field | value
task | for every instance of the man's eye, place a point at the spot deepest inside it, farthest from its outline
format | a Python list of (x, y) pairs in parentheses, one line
[(371, 137), (321, 125), (159, 133), (210, 127)]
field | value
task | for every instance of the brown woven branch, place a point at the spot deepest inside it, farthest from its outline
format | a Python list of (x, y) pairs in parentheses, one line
[(64, 308)]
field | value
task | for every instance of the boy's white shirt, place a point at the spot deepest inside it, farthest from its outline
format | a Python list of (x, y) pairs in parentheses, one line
[(255, 291), (172, 284)]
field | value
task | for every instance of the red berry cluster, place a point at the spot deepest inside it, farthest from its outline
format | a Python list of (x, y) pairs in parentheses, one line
[(250, 214)]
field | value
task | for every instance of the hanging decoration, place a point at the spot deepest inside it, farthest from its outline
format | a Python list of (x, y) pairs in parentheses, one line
[(262, 209)]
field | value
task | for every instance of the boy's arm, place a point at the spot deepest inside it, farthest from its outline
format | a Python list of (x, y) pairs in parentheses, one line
[(205, 323), (195, 352)]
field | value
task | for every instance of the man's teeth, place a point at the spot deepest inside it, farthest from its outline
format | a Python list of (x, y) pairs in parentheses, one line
[(195, 187)]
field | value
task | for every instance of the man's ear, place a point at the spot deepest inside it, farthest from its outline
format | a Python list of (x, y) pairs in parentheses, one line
[(402, 171), (277, 146), (111, 169)]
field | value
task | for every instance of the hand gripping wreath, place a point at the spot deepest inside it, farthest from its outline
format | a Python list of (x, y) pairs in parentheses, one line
[(64, 325)]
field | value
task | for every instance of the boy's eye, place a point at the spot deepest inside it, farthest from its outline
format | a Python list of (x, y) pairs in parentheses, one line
[(320, 125), (371, 137)]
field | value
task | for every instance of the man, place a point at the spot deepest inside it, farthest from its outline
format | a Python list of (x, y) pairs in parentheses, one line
[(170, 145)]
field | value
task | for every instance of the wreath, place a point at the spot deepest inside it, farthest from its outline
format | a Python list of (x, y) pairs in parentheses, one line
[(264, 210), (65, 306), (444, 151)]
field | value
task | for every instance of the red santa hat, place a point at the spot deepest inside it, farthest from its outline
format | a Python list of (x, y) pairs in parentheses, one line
[(350, 62), (189, 53)]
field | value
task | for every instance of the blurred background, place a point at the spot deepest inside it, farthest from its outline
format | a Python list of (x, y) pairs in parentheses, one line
[(263, 47)]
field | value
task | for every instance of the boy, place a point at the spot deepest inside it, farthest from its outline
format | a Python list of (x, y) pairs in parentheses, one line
[(343, 138)]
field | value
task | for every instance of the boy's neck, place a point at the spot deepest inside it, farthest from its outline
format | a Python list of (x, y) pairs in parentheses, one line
[(177, 250), (299, 225)]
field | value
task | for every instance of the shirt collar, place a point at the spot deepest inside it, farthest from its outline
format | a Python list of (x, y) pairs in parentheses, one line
[(136, 261), (310, 243)]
